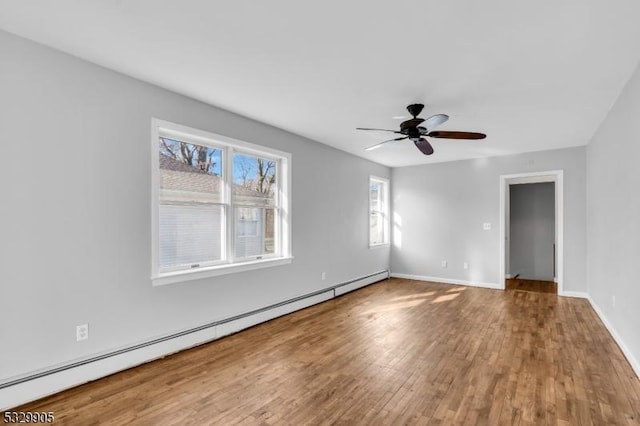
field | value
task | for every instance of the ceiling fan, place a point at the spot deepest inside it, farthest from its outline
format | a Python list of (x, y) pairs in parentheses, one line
[(416, 128)]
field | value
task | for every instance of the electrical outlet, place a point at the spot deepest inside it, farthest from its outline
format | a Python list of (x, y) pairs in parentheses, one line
[(465, 265), (82, 332), (444, 263), (486, 226), (323, 276)]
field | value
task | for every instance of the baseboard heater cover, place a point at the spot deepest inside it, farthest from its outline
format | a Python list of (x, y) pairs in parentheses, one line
[(346, 287), (47, 382)]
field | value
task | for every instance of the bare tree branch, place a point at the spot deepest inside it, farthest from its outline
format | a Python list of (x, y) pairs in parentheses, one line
[(168, 148), (266, 175)]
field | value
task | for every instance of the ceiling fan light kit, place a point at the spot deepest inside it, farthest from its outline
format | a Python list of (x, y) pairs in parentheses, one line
[(416, 129)]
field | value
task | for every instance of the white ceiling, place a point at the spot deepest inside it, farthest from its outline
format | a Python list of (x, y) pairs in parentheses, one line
[(531, 75)]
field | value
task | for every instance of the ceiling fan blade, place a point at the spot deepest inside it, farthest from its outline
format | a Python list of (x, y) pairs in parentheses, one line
[(456, 135), (435, 120), (424, 146), (379, 130), (378, 145)]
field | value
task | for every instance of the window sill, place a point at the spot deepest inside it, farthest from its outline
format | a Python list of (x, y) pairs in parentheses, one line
[(373, 246), (213, 271)]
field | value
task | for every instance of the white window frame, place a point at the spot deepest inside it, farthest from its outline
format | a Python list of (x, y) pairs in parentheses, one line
[(229, 146), (385, 210)]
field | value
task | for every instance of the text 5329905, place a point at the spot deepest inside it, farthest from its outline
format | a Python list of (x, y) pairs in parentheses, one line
[(28, 417)]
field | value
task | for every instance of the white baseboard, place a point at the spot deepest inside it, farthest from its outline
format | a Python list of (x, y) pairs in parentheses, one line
[(40, 384), (635, 365), (578, 294), (441, 280)]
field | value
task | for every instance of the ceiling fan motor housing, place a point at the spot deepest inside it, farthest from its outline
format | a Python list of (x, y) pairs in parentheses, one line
[(413, 133)]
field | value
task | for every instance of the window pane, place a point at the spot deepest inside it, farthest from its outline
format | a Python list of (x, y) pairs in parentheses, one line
[(374, 195), (377, 234), (374, 189), (374, 226), (189, 172), (254, 180), (378, 211), (254, 231), (190, 234)]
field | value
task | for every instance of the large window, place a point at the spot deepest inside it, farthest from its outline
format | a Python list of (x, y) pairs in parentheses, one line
[(219, 205), (378, 211)]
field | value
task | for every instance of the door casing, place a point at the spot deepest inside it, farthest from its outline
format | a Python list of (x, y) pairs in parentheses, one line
[(556, 176)]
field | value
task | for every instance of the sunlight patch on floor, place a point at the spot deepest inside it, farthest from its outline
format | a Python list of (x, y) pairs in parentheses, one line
[(445, 298), (394, 306), (414, 296)]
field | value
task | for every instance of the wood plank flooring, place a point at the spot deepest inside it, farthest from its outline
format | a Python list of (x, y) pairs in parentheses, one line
[(396, 352), (531, 285)]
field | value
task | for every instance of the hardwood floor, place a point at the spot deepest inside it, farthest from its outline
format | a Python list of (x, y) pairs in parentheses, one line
[(396, 352), (531, 285)]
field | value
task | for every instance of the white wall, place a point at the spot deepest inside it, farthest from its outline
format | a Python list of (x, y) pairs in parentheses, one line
[(613, 218), (532, 230), (75, 215), (443, 207)]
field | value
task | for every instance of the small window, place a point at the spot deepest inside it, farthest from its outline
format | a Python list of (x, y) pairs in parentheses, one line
[(220, 205), (378, 211)]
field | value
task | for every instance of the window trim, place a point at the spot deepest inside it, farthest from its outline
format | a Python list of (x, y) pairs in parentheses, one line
[(385, 211), (229, 146)]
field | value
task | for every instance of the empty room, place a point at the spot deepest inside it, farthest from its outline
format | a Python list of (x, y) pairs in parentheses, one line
[(286, 213)]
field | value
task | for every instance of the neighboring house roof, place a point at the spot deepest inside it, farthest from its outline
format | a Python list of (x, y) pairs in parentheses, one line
[(170, 163), (183, 182), (176, 176)]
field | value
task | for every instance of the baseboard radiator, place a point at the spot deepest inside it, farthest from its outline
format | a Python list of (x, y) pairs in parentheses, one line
[(39, 384)]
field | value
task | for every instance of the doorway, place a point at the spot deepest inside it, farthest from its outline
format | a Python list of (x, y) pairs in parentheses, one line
[(531, 231), (531, 237)]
